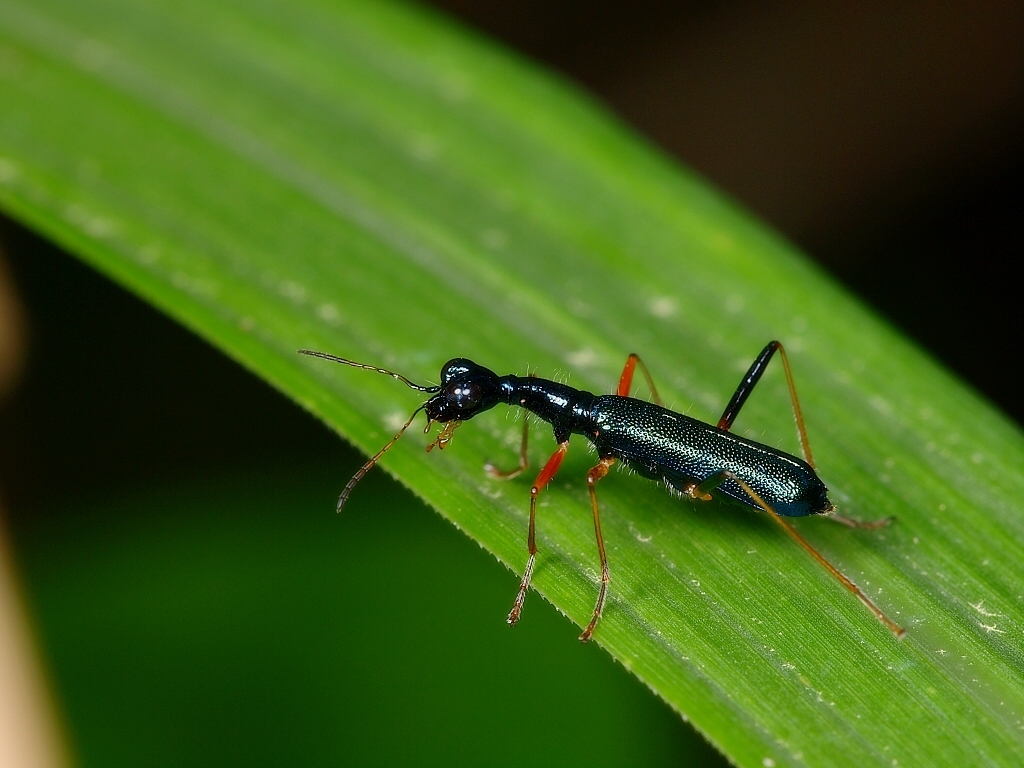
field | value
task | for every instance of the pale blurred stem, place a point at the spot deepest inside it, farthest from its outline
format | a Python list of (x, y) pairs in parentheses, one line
[(29, 734)]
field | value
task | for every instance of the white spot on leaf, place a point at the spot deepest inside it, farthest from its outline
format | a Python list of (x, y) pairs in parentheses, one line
[(662, 306)]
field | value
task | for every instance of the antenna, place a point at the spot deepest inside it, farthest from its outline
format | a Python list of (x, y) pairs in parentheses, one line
[(365, 367), (373, 460)]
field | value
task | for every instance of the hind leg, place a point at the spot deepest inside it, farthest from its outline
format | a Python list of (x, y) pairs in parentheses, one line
[(705, 488), (746, 386)]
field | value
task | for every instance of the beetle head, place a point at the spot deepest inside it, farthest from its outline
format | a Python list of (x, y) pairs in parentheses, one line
[(466, 390)]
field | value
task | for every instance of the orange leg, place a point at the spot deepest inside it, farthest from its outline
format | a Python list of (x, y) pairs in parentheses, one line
[(545, 476), (797, 413), (750, 380), (702, 492), (626, 379), (743, 391), (593, 476)]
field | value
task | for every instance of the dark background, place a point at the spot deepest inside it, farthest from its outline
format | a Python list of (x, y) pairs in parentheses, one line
[(887, 140)]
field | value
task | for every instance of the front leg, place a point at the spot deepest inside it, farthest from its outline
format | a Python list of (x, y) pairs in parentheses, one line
[(545, 477), (500, 474)]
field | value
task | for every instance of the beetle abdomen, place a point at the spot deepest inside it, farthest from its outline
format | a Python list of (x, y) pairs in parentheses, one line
[(665, 445)]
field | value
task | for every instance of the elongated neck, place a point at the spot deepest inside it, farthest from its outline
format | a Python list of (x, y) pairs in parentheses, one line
[(567, 409)]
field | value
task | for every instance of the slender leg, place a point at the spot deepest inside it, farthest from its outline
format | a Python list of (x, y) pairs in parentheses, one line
[(593, 476), (542, 480), (524, 462), (718, 478), (626, 379), (743, 391), (753, 375)]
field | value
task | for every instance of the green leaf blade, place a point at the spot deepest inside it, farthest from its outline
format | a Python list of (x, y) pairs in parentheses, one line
[(366, 180)]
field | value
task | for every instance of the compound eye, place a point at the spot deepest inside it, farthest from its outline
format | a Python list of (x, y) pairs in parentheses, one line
[(464, 395)]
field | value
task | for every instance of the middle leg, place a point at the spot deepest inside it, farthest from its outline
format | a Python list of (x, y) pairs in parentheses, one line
[(593, 476), (524, 462), (626, 379)]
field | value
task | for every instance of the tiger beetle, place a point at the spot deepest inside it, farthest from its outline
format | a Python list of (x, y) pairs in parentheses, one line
[(693, 459)]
